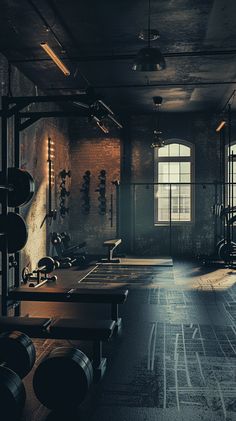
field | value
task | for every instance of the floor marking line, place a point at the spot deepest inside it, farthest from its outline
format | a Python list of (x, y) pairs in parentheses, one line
[(194, 333), (154, 347), (185, 358), (85, 276), (222, 399), (176, 381), (176, 345), (230, 343), (200, 367), (149, 346), (164, 366), (202, 341)]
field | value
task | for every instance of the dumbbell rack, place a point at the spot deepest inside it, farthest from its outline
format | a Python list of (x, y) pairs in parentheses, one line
[(13, 108)]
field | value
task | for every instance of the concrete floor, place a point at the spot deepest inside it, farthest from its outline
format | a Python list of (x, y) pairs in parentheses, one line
[(176, 358)]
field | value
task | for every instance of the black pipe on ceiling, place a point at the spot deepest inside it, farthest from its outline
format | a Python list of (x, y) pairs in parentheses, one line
[(121, 57)]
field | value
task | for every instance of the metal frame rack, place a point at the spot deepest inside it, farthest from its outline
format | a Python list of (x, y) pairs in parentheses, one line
[(13, 107)]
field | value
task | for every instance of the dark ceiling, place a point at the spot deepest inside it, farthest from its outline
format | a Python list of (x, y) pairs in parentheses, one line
[(98, 40)]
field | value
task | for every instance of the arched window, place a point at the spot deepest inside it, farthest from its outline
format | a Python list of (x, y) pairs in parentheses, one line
[(231, 175), (173, 168)]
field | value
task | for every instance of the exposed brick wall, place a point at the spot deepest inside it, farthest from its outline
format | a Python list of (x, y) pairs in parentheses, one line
[(34, 159), (94, 152)]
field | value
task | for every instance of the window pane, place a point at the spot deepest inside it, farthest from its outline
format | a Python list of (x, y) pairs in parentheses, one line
[(174, 172), (175, 190), (163, 151), (185, 178), (185, 167), (185, 150), (163, 209), (163, 191), (163, 168), (174, 149), (185, 191), (163, 178)]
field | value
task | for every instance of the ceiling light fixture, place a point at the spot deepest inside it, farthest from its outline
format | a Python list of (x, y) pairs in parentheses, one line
[(55, 58), (159, 141), (149, 59)]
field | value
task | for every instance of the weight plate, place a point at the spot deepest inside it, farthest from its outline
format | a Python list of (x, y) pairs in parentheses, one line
[(13, 225), (48, 262), (25, 274), (12, 393), (18, 351), (22, 187), (62, 379)]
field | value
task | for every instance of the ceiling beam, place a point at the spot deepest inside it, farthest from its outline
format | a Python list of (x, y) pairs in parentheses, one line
[(121, 57), (147, 85)]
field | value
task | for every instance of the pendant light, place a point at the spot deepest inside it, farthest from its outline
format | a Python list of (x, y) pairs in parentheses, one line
[(159, 141), (149, 59)]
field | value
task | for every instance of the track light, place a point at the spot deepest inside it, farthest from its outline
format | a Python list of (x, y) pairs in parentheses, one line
[(101, 125), (220, 126), (55, 58)]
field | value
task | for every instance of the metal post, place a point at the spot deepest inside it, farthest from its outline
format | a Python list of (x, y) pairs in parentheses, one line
[(17, 160), (4, 165), (133, 218), (117, 210), (111, 210), (170, 217)]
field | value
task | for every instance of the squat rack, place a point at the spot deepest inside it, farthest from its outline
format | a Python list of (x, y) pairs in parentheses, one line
[(13, 107)]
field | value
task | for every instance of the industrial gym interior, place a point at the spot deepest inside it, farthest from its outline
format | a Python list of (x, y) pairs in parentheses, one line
[(118, 210)]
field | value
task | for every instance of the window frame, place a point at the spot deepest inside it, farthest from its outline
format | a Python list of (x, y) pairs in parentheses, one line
[(227, 171), (190, 159)]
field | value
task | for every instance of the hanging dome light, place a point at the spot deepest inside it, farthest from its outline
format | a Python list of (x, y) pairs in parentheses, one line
[(149, 59)]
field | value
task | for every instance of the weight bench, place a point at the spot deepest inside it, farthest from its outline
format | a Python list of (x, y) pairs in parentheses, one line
[(111, 246), (96, 331), (74, 295)]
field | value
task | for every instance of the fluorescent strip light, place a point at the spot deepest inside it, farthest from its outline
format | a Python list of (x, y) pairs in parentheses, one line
[(55, 58), (220, 126)]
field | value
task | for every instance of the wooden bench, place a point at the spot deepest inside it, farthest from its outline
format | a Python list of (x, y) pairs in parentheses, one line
[(96, 331), (74, 295), (111, 246)]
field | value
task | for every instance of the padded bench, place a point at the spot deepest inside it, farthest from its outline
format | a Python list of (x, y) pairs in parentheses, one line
[(32, 326), (111, 246), (74, 295), (96, 331)]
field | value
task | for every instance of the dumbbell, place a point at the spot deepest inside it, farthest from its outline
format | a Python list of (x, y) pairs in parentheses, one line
[(17, 356), (63, 379), (45, 265), (64, 174), (64, 262)]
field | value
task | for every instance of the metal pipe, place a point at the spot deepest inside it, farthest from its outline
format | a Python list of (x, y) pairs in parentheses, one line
[(131, 56), (4, 169), (17, 161)]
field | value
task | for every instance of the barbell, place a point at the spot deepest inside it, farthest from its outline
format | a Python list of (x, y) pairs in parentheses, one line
[(63, 378), (45, 265), (21, 187), (17, 356)]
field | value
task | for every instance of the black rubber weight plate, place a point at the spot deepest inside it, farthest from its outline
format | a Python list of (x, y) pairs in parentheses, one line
[(12, 395), (13, 225), (62, 380)]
